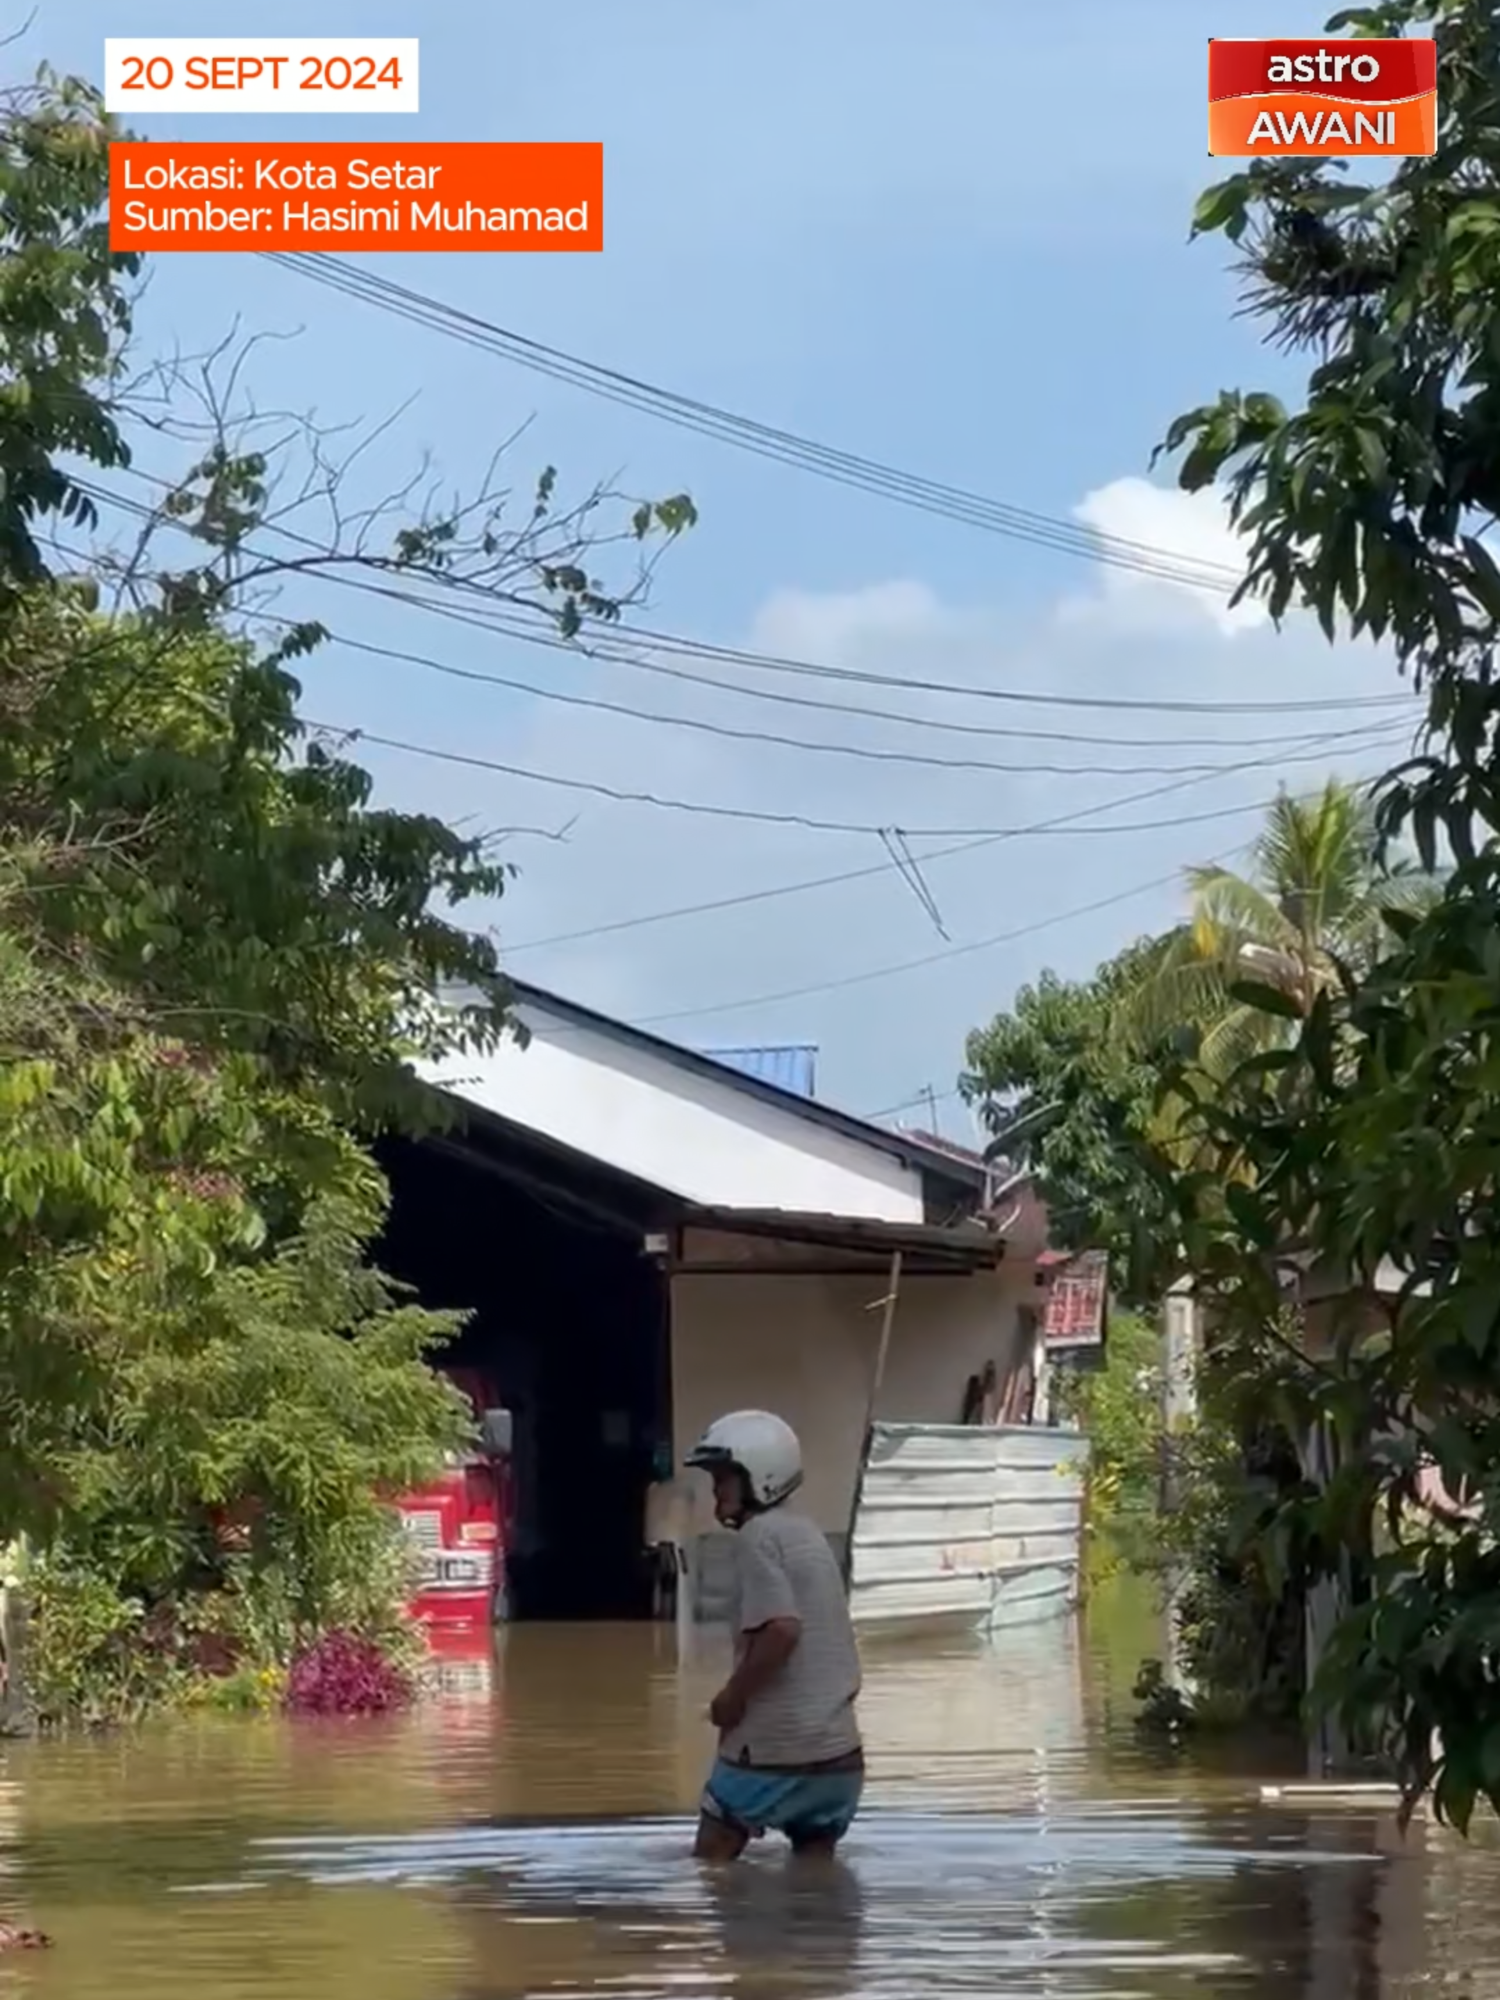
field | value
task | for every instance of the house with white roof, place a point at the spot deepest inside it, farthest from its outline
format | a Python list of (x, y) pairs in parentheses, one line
[(647, 1235)]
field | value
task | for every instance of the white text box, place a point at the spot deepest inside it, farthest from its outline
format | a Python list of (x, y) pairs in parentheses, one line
[(228, 73)]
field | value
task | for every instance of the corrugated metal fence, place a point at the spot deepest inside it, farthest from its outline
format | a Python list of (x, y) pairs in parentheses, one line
[(976, 1525)]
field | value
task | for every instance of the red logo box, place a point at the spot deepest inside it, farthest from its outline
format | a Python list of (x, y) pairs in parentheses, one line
[(1327, 99)]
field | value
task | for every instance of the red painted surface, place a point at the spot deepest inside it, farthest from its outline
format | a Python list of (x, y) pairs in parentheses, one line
[(461, 1667), (461, 1524)]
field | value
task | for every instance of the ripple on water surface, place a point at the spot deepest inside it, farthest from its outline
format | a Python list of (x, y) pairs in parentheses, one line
[(535, 1843)]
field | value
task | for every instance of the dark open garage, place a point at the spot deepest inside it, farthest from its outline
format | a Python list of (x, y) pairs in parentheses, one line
[(569, 1325)]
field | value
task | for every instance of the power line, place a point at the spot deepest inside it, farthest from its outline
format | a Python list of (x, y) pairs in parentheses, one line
[(1067, 822), (1368, 738), (772, 663), (762, 817), (847, 469), (948, 953), (777, 891), (774, 892), (943, 957), (943, 725), (878, 972), (955, 1090), (859, 752), (673, 644), (848, 711), (763, 440), (540, 630)]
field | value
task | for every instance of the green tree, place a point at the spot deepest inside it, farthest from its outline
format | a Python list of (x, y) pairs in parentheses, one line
[(1113, 1079), (64, 308), (219, 958), (1373, 1137), (1072, 1103), (241, 886), (227, 1501), (1311, 910), (1119, 1407), (113, 1155)]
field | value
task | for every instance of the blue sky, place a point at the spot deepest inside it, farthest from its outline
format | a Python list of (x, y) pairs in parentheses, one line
[(871, 225)]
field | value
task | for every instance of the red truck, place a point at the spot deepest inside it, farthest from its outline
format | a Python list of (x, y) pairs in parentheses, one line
[(461, 1526)]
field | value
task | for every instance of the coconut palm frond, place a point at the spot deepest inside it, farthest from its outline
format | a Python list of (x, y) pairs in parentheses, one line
[(1311, 901), (1409, 890), (1239, 1033), (1331, 832), (1229, 911), (1182, 988), (1170, 1131), (1317, 857)]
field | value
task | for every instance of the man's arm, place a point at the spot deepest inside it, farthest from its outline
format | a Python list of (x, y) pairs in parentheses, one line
[(770, 1629)]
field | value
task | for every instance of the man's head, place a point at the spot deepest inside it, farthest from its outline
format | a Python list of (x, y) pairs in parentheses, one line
[(754, 1460)]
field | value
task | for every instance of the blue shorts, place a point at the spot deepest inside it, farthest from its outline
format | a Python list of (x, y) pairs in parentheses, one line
[(804, 1805)]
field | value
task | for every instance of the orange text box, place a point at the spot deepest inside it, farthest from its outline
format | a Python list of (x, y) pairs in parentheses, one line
[(1290, 125), (259, 195)]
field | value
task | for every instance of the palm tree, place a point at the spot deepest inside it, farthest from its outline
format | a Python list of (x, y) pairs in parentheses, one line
[(1314, 900)]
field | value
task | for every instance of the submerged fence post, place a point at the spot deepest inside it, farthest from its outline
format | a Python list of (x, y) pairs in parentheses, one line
[(1180, 1344), (1328, 1746), (17, 1715)]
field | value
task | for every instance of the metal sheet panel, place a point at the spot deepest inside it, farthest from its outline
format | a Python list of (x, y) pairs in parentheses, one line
[(792, 1067), (976, 1525)]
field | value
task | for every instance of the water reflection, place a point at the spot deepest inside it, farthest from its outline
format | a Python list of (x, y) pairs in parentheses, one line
[(926, 1903), (770, 1930), (535, 1843)]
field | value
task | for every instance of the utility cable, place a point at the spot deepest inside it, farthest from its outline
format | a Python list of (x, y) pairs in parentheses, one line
[(541, 630), (763, 440), (760, 816)]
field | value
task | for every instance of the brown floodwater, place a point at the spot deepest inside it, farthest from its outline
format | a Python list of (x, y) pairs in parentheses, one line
[(532, 1841)]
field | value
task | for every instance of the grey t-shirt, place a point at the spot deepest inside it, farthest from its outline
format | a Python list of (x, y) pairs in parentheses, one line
[(784, 1568)]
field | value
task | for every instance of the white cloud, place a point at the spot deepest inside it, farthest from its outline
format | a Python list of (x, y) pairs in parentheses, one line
[(835, 626), (1193, 527), (1107, 636)]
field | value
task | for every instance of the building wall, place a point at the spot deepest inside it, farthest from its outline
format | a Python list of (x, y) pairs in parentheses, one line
[(687, 1133), (806, 1346)]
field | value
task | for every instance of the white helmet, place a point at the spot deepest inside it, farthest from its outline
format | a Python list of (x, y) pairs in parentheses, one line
[(757, 1444)]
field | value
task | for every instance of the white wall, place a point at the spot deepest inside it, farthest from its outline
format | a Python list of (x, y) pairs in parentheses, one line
[(686, 1133), (805, 1347)]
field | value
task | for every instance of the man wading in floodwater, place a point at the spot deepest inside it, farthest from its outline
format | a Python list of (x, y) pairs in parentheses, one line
[(790, 1756)]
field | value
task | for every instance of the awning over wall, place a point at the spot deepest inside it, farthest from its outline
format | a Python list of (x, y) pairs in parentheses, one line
[(729, 1239)]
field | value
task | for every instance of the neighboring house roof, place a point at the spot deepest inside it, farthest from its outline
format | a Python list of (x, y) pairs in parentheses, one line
[(925, 1156), (789, 1066)]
